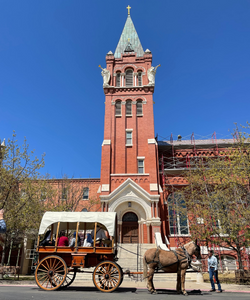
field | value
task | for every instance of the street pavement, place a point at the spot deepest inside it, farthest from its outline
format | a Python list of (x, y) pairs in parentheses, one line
[(23, 292)]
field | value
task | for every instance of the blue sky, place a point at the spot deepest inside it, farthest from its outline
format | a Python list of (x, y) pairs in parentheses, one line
[(51, 86)]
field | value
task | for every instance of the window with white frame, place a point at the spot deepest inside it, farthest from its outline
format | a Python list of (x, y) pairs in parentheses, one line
[(129, 108), (129, 77), (139, 108), (129, 136), (118, 79), (139, 78), (140, 162), (85, 194), (118, 108), (177, 212)]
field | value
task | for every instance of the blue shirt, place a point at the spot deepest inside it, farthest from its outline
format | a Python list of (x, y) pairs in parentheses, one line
[(2, 226), (212, 263)]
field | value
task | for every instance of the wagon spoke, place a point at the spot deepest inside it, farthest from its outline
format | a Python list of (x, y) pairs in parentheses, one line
[(57, 265), (47, 265), (44, 266)]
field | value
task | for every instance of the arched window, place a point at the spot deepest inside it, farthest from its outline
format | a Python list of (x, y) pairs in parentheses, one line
[(129, 77), (139, 111), (118, 79), (129, 108), (84, 210), (130, 217), (118, 108), (177, 211), (139, 78)]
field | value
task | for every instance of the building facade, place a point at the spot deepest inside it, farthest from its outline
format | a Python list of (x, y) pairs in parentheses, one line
[(129, 166)]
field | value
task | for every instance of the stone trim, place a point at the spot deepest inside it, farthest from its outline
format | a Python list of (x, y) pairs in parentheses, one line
[(106, 142), (105, 188), (151, 141), (153, 187)]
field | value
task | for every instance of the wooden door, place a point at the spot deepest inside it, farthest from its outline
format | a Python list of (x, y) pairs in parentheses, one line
[(130, 228)]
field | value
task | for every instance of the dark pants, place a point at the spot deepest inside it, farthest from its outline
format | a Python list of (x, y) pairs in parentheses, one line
[(214, 273)]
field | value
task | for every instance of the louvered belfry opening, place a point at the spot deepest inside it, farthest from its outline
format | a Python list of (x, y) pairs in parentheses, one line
[(118, 108), (128, 107), (118, 79), (129, 77), (139, 79), (139, 107)]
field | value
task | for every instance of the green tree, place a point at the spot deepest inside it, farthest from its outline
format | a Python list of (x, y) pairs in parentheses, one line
[(20, 191), (218, 197)]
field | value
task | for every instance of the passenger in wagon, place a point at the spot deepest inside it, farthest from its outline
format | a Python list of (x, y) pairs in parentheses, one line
[(73, 241), (101, 237), (47, 240), (88, 242), (62, 239)]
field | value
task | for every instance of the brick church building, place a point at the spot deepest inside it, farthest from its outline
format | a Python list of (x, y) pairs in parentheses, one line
[(139, 173)]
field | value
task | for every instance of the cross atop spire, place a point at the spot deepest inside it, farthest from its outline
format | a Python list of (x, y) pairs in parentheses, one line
[(128, 8)]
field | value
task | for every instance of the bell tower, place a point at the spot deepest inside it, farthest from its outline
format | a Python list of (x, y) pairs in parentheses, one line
[(129, 167)]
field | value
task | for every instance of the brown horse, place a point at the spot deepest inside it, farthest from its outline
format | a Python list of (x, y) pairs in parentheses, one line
[(170, 262)]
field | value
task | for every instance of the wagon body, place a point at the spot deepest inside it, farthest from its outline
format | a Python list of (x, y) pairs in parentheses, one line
[(57, 265)]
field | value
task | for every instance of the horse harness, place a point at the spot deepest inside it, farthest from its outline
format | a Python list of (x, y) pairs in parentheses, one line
[(159, 264)]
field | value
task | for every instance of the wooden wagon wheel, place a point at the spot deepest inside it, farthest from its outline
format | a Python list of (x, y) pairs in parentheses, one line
[(122, 275), (107, 276), (51, 273), (70, 277)]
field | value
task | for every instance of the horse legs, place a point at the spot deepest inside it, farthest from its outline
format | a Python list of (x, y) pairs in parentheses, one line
[(183, 275), (178, 284), (150, 284)]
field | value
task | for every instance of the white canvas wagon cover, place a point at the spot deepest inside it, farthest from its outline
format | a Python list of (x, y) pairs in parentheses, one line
[(108, 219)]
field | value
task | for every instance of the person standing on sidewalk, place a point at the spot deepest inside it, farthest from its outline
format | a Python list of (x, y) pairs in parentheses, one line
[(213, 271), (2, 222)]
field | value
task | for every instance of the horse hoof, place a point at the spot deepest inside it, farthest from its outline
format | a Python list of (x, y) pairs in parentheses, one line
[(153, 292)]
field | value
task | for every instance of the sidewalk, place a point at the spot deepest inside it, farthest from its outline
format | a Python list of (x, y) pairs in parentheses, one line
[(169, 285)]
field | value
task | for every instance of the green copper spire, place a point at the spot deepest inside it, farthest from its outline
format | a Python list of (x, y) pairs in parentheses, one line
[(129, 40)]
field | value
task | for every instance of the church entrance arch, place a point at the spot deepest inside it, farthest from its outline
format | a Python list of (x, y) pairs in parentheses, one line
[(130, 234)]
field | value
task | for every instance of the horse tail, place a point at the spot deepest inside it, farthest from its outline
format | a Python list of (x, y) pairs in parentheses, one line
[(145, 267)]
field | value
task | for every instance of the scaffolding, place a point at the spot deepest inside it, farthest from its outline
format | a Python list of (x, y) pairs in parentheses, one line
[(180, 156)]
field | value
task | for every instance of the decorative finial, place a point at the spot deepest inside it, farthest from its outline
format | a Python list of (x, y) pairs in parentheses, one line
[(128, 8)]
